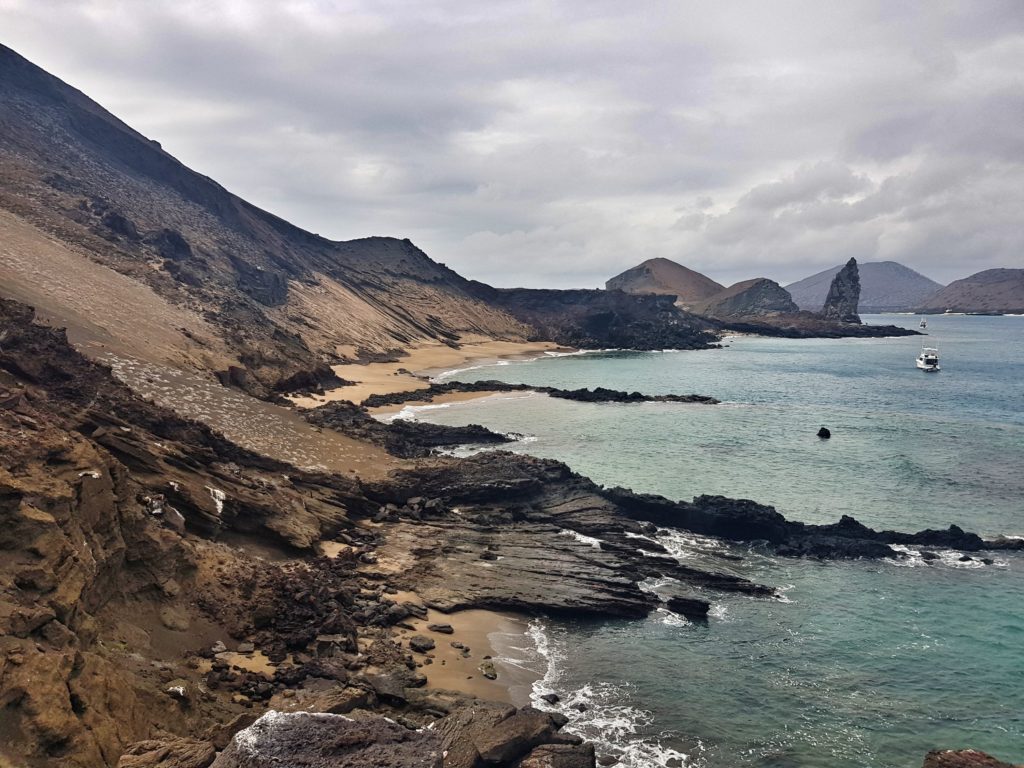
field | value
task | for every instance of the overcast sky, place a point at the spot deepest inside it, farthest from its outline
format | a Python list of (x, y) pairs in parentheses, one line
[(556, 144)]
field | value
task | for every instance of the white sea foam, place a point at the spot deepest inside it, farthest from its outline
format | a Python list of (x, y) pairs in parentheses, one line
[(781, 595), (412, 412), (577, 353), (683, 545), (912, 558), (610, 721), (670, 619), (581, 538), (456, 371)]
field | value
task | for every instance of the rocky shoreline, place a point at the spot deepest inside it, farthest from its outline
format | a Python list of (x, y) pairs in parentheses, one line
[(595, 395), (160, 587)]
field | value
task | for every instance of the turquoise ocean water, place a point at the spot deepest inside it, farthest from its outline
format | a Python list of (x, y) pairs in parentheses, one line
[(861, 663)]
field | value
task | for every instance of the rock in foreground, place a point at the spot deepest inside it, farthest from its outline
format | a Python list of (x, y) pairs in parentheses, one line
[(330, 741), (962, 758)]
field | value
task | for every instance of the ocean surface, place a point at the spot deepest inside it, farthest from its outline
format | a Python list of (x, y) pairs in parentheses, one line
[(861, 663)]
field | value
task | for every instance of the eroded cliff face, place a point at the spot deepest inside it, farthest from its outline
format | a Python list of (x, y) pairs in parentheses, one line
[(73, 539), (102, 585), (843, 295)]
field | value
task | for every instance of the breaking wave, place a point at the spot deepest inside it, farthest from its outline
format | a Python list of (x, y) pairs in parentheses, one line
[(602, 712)]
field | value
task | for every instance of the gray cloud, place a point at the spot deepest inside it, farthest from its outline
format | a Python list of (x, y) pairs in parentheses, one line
[(555, 144)]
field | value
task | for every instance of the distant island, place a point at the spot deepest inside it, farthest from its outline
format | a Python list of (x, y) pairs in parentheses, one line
[(885, 286), (758, 305), (992, 292)]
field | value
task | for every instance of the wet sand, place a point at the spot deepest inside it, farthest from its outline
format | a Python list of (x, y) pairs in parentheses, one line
[(422, 361)]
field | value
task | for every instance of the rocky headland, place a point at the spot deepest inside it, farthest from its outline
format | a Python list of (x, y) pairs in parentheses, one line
[(161, 587)]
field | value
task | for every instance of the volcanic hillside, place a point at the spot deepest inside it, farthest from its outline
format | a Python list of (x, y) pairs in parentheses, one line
[(105, 232), (885, 286), (994, 291), (664, 276)]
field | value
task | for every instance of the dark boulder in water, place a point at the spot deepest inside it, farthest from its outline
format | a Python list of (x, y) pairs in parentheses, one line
[(689, 606), (824, 433)]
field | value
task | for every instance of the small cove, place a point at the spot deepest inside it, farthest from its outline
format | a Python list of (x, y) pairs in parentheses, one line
[(863, 664)]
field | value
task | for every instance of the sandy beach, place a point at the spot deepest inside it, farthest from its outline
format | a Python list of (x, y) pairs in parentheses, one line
[(481, 634), (448, 397), (422, 361)]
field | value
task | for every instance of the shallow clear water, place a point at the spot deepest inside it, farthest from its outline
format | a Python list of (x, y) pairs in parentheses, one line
[(864, 664)]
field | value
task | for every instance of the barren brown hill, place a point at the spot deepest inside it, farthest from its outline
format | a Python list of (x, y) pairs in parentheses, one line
[(665, 276), (994, 291)]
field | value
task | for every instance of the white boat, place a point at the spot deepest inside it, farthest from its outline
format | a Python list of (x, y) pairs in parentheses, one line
[(928, 360)]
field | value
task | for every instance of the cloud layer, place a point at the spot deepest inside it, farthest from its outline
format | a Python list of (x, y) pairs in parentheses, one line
[(556, 144)]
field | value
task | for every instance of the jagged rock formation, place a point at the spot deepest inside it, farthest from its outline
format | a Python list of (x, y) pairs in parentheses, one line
[(885, 286), (843, 295), (747, 299), (664, 276), (992, 292)]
